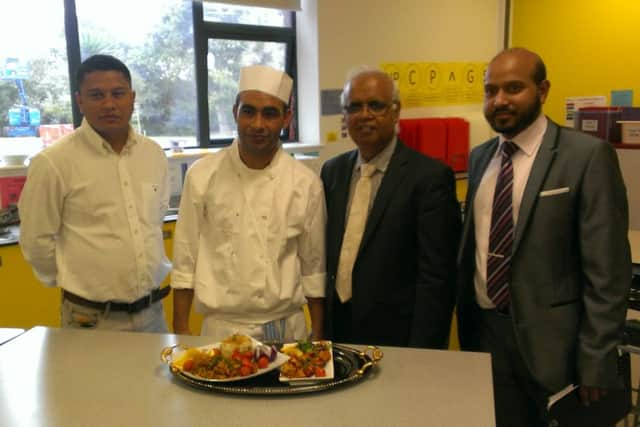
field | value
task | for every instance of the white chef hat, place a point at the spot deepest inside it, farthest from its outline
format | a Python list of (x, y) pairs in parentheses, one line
[(266, 79)]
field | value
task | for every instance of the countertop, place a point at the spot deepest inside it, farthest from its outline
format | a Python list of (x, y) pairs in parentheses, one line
[(65, 377), (7, 334)]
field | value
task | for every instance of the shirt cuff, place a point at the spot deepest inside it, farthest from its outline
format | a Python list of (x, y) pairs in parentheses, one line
[(314, 285), (181, 280)]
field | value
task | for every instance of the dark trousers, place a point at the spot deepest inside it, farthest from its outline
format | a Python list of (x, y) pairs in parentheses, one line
[(519, 400)]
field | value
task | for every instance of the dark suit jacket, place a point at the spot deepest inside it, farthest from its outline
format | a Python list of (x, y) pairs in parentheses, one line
[(571, 263), (404, 275)]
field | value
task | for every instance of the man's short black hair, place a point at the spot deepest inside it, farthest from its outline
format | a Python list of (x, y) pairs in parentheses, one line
[(539, 71), (101, 63)]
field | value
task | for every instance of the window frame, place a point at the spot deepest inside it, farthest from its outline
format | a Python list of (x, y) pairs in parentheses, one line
[(203, 31)]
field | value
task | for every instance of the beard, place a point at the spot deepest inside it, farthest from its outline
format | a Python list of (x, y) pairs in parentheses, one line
[(522, 121)]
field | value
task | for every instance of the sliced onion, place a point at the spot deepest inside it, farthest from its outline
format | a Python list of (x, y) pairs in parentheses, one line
[(270, 352)]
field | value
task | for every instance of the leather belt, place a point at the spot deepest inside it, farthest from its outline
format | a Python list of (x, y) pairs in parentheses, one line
[(134, 307)]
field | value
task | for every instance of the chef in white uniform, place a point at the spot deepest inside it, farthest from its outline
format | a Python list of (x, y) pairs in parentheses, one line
[(249, 242)]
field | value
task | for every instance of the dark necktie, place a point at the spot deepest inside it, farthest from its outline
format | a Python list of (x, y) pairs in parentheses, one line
[(501, 233)]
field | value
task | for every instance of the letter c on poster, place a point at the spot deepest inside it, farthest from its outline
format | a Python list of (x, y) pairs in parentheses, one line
[(413, 77)]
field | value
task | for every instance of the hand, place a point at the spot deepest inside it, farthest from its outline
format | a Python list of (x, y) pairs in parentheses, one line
[(591, 394), (181, 330)]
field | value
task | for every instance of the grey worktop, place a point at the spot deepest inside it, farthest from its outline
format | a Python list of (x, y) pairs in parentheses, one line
[(65, 377)]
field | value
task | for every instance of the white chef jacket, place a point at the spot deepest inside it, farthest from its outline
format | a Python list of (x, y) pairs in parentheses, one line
[(91, 219), (251, 243)]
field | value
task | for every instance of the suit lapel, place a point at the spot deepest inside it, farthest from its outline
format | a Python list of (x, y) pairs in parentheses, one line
[(478, 167), (478, 171), (539, 170), (394, 175)]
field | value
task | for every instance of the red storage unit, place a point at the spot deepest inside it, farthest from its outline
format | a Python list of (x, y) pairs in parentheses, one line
[(457, 144), (409, 133), (433, 138), (444, 139)]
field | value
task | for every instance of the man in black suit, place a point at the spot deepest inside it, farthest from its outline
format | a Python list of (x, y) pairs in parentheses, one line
[(566, 266), (391, 280)]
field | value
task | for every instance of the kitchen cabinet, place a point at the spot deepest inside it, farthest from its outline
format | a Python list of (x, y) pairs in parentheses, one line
[(25, 302)]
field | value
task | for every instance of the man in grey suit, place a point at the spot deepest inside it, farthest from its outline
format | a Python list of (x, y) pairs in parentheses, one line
[(543, 282), (391, 254)]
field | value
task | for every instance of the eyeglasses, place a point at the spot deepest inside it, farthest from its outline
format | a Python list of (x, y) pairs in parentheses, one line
[(377, 108)]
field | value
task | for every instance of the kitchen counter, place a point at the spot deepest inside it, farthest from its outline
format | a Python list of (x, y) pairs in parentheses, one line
[(7, 334), (64, 377)]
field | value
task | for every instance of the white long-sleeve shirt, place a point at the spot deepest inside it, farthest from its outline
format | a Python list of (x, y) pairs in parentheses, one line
[(91, 219), (250, 242)]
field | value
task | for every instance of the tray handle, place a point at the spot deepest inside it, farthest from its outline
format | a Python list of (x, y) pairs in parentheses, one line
[(374, 354)]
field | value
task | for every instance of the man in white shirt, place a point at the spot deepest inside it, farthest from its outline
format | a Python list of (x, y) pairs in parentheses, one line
[(92, 211), (249, 243)]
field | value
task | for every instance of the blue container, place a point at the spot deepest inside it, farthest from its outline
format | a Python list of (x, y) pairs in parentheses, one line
[(34, 117), (15, 116)]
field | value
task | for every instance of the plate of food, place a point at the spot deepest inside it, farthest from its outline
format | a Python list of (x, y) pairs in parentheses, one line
[(309, 361), (237, 357)]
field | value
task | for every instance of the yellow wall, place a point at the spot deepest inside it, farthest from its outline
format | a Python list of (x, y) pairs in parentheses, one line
[(25, 302), (589, 46)]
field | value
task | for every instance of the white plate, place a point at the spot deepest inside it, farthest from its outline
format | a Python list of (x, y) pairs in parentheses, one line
[(328, 368), (277, 362)]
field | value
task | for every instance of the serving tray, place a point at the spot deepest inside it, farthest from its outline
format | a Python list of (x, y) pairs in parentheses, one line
[(350, 365)]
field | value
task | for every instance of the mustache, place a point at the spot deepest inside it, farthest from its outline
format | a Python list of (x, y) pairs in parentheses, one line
[(502, 110)]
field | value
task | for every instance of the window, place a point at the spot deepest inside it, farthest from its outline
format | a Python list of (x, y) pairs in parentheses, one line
[(184, 56), (35, 106), (159, 53), (228, 38)]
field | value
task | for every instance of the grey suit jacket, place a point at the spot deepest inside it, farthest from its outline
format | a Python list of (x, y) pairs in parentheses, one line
[(571, 262)]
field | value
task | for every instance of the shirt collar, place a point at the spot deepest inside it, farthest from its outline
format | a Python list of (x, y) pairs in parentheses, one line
[(382, 159), (241, 168), (529, 139), (100, 144)]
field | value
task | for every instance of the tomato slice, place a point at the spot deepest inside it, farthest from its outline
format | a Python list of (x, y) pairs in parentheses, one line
[(187, 366), (263, 362)]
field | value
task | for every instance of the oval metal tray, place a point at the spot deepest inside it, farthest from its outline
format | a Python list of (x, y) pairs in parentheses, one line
[(350, 365)]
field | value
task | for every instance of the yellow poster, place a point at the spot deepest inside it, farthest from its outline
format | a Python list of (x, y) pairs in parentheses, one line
[(430, 84)]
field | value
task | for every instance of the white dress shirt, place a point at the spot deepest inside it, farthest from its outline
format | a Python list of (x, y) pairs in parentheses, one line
[(250, 242), (528, 142), (91, 219)]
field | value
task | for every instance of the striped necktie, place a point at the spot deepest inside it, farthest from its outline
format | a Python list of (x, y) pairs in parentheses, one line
[(501, 233), (356, 221)]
